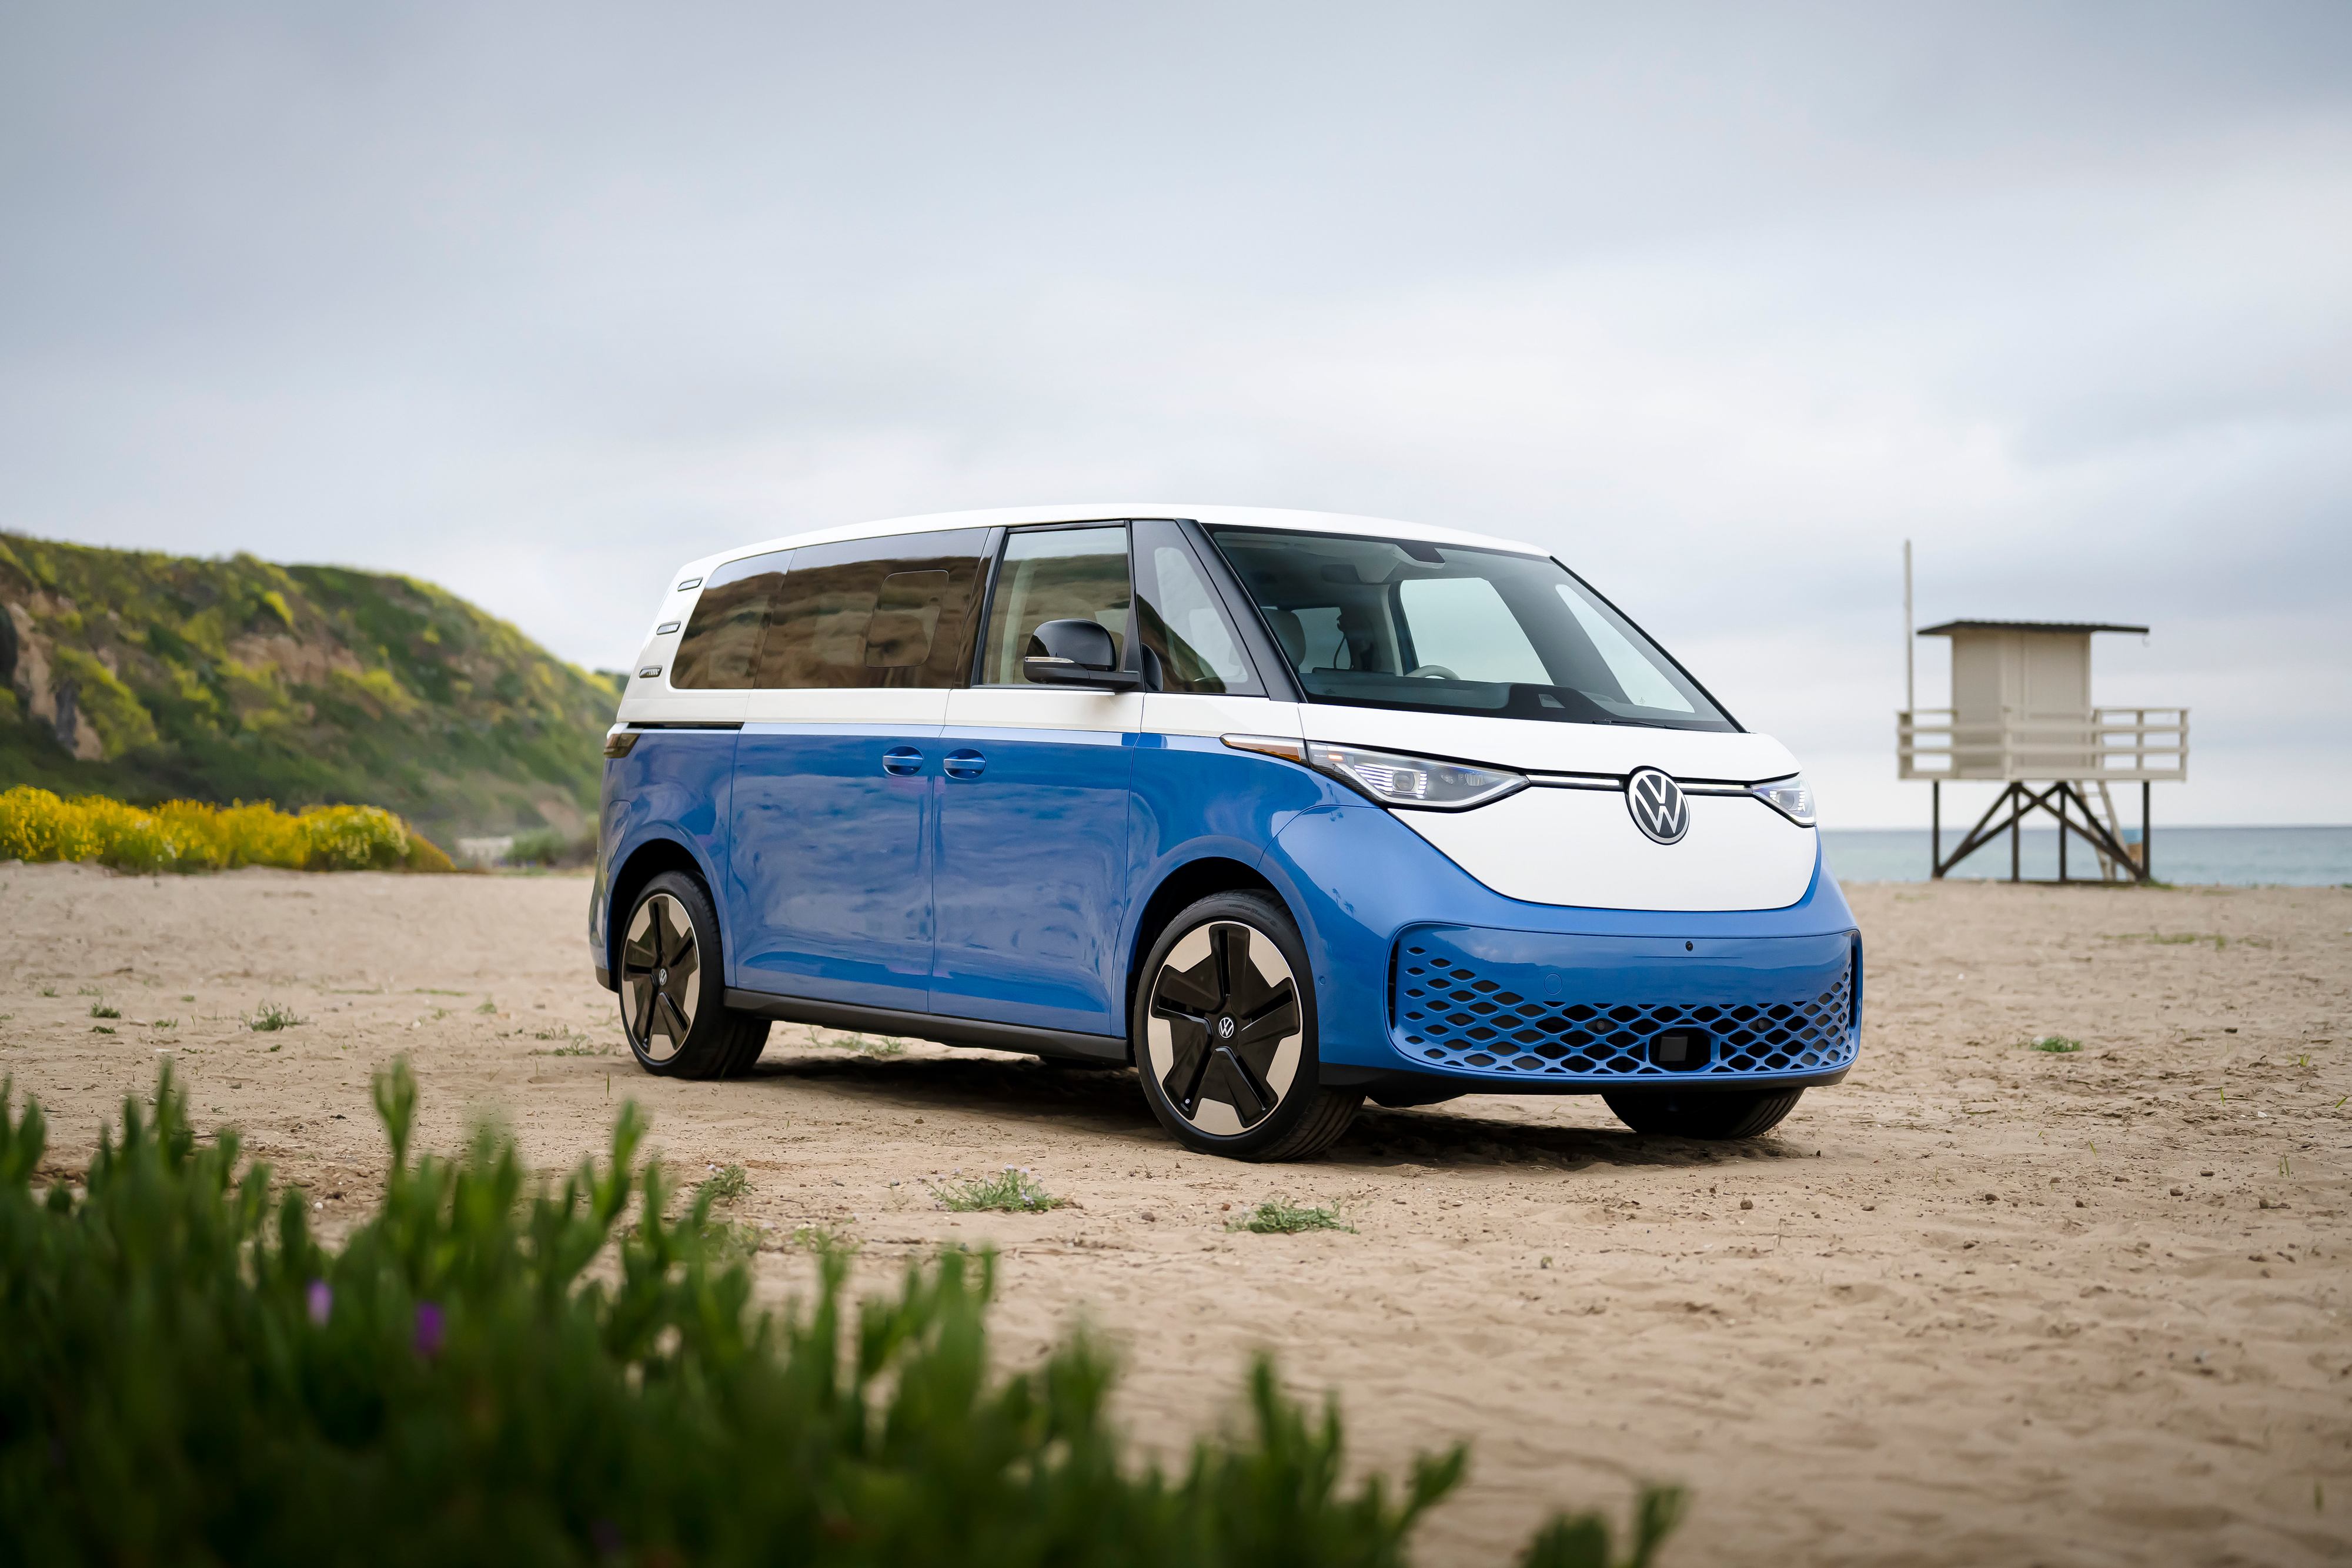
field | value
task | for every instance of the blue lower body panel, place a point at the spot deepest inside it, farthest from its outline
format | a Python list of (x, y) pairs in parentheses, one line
[(1534, 1007)]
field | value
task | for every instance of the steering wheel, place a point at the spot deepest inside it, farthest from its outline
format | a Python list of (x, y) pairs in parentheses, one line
[(1432, 672)]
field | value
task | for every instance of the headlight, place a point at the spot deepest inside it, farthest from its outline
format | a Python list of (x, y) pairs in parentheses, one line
[(1394, 780), (1792, 798)]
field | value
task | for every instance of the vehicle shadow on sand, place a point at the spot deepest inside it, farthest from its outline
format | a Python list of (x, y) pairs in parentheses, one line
[(1105, 1102)]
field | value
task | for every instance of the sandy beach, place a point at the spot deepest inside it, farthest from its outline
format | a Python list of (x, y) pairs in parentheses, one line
[(1979, 1304)]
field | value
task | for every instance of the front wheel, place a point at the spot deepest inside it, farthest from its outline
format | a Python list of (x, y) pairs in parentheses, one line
[(673, 992), (1224, 1035), (1717, 1113)]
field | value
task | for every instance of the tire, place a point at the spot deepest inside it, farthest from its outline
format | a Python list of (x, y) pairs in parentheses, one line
[(673, 987), (1717, 1113), (1224, 1035)]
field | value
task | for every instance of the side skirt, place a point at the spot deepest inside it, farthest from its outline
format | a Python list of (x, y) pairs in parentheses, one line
[(931, 1026)]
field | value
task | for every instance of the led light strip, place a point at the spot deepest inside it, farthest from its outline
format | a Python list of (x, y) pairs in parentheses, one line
[(1296, 751), (1608, 781)]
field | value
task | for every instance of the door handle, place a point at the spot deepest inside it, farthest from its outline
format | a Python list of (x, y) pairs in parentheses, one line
[(964, 764), (902, 760)]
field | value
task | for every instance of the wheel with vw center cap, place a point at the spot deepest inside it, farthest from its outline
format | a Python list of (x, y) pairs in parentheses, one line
[(1224, 1035), (673, 1005)]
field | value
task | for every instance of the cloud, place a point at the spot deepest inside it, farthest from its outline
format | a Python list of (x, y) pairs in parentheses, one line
[(1721, 305)]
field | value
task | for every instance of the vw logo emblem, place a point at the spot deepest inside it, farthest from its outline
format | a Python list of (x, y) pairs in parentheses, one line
[(1225, 1029), (1658, 806)]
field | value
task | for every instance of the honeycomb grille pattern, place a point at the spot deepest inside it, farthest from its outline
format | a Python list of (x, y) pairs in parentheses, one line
[(1451, 1015)]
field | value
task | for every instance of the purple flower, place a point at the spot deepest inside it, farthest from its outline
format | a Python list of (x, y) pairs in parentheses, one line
[(322, 1299), (429, 1325)]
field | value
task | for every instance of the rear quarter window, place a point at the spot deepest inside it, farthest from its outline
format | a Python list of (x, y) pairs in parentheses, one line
[(722, 642)]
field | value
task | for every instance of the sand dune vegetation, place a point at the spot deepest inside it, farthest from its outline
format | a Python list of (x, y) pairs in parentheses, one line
[(189, 836), (490, 1370)]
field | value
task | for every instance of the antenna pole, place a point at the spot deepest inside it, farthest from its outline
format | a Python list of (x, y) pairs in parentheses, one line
[(1910, 698)]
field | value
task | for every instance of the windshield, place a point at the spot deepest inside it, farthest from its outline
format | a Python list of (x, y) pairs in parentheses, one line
[(1401, 623)]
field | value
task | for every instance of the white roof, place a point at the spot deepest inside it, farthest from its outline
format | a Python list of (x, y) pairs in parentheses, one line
[(1114, 511)]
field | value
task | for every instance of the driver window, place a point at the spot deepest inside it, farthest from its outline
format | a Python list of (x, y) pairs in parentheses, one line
[(1054, 574), (1184, 629)]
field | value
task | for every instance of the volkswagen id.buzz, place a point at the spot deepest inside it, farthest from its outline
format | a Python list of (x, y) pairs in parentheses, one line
[(1285, 809)]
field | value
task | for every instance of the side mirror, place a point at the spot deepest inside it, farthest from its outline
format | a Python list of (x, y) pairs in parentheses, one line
[(1075, 654)]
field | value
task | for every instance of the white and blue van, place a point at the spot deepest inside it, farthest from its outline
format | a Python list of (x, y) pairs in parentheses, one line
[(1282, 809)]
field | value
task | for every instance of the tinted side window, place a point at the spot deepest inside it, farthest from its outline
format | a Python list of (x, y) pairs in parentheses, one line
[(1179, 617), (722, 640), (874, 613), (1055, 574)]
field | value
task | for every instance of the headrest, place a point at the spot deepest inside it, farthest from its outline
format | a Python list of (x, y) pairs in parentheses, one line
[(1289, 631)]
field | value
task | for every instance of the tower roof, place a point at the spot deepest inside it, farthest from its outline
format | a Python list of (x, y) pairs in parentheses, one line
[(1947, 627)]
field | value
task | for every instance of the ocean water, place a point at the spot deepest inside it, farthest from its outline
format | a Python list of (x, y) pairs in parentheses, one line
[(2230, 857)]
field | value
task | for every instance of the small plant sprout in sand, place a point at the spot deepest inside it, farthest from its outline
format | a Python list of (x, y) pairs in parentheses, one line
[(100, 1010), (735, 1242), (1280, 1216), (574, 1044), (1012, 1190), (2055, 1044), (822, 1238), (273, 1016), (727, 1184)]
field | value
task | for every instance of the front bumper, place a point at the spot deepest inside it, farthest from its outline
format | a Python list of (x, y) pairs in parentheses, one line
[(1533, 1009)]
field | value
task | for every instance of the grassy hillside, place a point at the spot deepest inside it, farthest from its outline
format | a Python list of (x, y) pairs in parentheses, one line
[(148, 676)]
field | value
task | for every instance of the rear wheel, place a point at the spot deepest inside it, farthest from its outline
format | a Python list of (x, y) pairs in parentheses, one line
[(1224, 1035), (673, 992), (1718, 1114)]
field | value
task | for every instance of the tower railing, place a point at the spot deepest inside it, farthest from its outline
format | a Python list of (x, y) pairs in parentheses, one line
[(2115, 744)]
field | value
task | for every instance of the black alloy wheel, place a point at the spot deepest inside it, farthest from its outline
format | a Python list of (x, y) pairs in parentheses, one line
[(673, 995), (1224, 1035)]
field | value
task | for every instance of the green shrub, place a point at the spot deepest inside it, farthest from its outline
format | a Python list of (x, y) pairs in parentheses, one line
[(483, 1374), (113, 709), (354, 838)]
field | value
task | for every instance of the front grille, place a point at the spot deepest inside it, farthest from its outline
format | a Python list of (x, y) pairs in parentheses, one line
[(1453, 1010)]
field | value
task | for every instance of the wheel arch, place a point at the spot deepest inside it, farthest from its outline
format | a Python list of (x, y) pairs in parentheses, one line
[(1184, 885), (641, 866)]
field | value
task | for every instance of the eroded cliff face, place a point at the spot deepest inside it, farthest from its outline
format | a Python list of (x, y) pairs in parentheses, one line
[(42, 696), (143, 673)]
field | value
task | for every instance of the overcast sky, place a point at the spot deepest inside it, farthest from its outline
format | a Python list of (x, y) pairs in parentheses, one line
[(1722, 303)]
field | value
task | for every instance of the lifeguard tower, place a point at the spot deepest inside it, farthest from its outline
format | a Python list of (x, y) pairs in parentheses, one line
[(2022, 717)]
